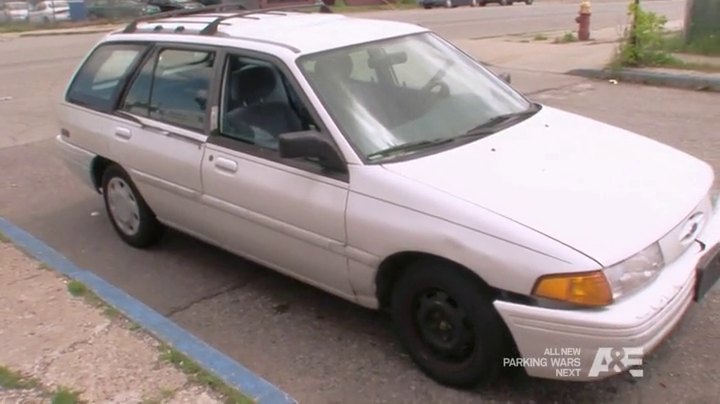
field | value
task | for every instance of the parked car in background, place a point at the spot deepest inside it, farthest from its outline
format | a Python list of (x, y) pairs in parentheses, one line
[(14, 11), (49, 11), (504, 2), (170, 5), (473, 3), (119, 9)]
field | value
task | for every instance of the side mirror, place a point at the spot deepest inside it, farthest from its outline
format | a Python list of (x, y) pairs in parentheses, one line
[(310, 144)]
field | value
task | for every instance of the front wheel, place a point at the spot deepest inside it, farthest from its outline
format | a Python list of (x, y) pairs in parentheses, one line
[(445, 319), (131, 217)]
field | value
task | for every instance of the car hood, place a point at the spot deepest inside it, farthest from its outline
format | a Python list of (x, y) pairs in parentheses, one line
[(599, 189)]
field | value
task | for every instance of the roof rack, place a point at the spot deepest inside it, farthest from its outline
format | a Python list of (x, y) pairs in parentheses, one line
[(178, 13), (212, 27)]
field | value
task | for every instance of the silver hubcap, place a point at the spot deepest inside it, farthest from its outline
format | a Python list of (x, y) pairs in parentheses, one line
[(123, 206)]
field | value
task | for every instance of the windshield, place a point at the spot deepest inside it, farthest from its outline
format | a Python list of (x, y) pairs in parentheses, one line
[(412, 90)]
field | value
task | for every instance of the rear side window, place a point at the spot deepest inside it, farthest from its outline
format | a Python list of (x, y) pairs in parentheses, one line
[(173, 88), (101, 77)]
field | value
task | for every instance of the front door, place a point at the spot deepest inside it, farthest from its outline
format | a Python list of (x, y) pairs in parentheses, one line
[(289, 215)]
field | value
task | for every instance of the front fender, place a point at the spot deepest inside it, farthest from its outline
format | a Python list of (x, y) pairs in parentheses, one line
[(388, 214)]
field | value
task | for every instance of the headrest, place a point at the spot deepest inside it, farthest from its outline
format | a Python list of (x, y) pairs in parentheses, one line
[(339, 64), (253, 83)]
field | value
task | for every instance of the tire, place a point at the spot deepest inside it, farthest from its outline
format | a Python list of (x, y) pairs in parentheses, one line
[(464, 303), (427, 6), (131, 217), (448, 4), (474, 3), (529, 2)]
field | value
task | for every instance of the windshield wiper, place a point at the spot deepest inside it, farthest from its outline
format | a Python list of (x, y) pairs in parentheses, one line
[(498, 122), (407, 147)]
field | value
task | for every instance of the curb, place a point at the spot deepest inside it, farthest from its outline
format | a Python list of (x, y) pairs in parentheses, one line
[(59, 33), (231, 372), (706, 82)]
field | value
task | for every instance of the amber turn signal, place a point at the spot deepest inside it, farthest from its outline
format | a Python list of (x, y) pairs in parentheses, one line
[(586, 288)]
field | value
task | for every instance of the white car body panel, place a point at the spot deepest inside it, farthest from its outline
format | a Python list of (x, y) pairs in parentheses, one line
[(577, 180), (556, 193), (415, 217)]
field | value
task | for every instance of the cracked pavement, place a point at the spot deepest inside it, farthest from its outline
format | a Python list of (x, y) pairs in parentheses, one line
[(314, 346), (61, 341)]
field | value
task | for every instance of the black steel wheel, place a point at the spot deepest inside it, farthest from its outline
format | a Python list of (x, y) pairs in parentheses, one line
[(443, 316)]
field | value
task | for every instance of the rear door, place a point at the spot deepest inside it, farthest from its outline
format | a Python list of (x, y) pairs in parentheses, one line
[(161, 127)]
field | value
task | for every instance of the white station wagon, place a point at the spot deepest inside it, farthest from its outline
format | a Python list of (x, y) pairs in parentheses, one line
[(380, 163)]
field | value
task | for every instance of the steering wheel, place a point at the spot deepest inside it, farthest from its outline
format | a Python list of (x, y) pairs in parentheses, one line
[(436, 87)]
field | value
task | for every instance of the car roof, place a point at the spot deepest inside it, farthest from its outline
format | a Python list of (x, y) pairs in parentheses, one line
[(302, 32)]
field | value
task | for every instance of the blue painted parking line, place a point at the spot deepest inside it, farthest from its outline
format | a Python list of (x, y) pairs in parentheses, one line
[(214, 361)]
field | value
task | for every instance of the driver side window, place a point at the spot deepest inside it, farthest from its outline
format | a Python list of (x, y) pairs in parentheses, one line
[(259, 104)]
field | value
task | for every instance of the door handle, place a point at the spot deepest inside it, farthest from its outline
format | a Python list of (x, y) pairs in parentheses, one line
[(123, 133), (226, 164)]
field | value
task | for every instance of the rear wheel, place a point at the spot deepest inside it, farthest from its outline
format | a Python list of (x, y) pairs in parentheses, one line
[(444, 317), (131, 217)]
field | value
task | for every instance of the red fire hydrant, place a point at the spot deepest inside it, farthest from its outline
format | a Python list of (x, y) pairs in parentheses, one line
[(583, 19)]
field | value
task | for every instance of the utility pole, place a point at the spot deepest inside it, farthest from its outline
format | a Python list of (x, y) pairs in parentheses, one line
[(702, 19), (633, 28)]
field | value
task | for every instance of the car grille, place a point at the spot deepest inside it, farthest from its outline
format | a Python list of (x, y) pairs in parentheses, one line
[(682, 236)]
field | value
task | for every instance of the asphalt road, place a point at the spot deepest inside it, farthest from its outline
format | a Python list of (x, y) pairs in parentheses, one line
[(318, 348)]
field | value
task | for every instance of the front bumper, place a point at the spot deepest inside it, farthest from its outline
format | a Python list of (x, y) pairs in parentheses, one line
[(582, 345), (78, 160)]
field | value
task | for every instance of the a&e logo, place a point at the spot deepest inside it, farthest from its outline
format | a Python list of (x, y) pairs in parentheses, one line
[(616, 360)]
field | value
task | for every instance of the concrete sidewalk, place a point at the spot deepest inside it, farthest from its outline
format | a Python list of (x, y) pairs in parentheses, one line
[(539, 51), (547, 54), (59, 340)]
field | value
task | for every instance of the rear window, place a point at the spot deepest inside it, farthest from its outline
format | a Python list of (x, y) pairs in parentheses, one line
[(100, 79)]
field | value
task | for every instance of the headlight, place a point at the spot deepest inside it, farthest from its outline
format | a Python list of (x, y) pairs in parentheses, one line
[(631, 274)]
